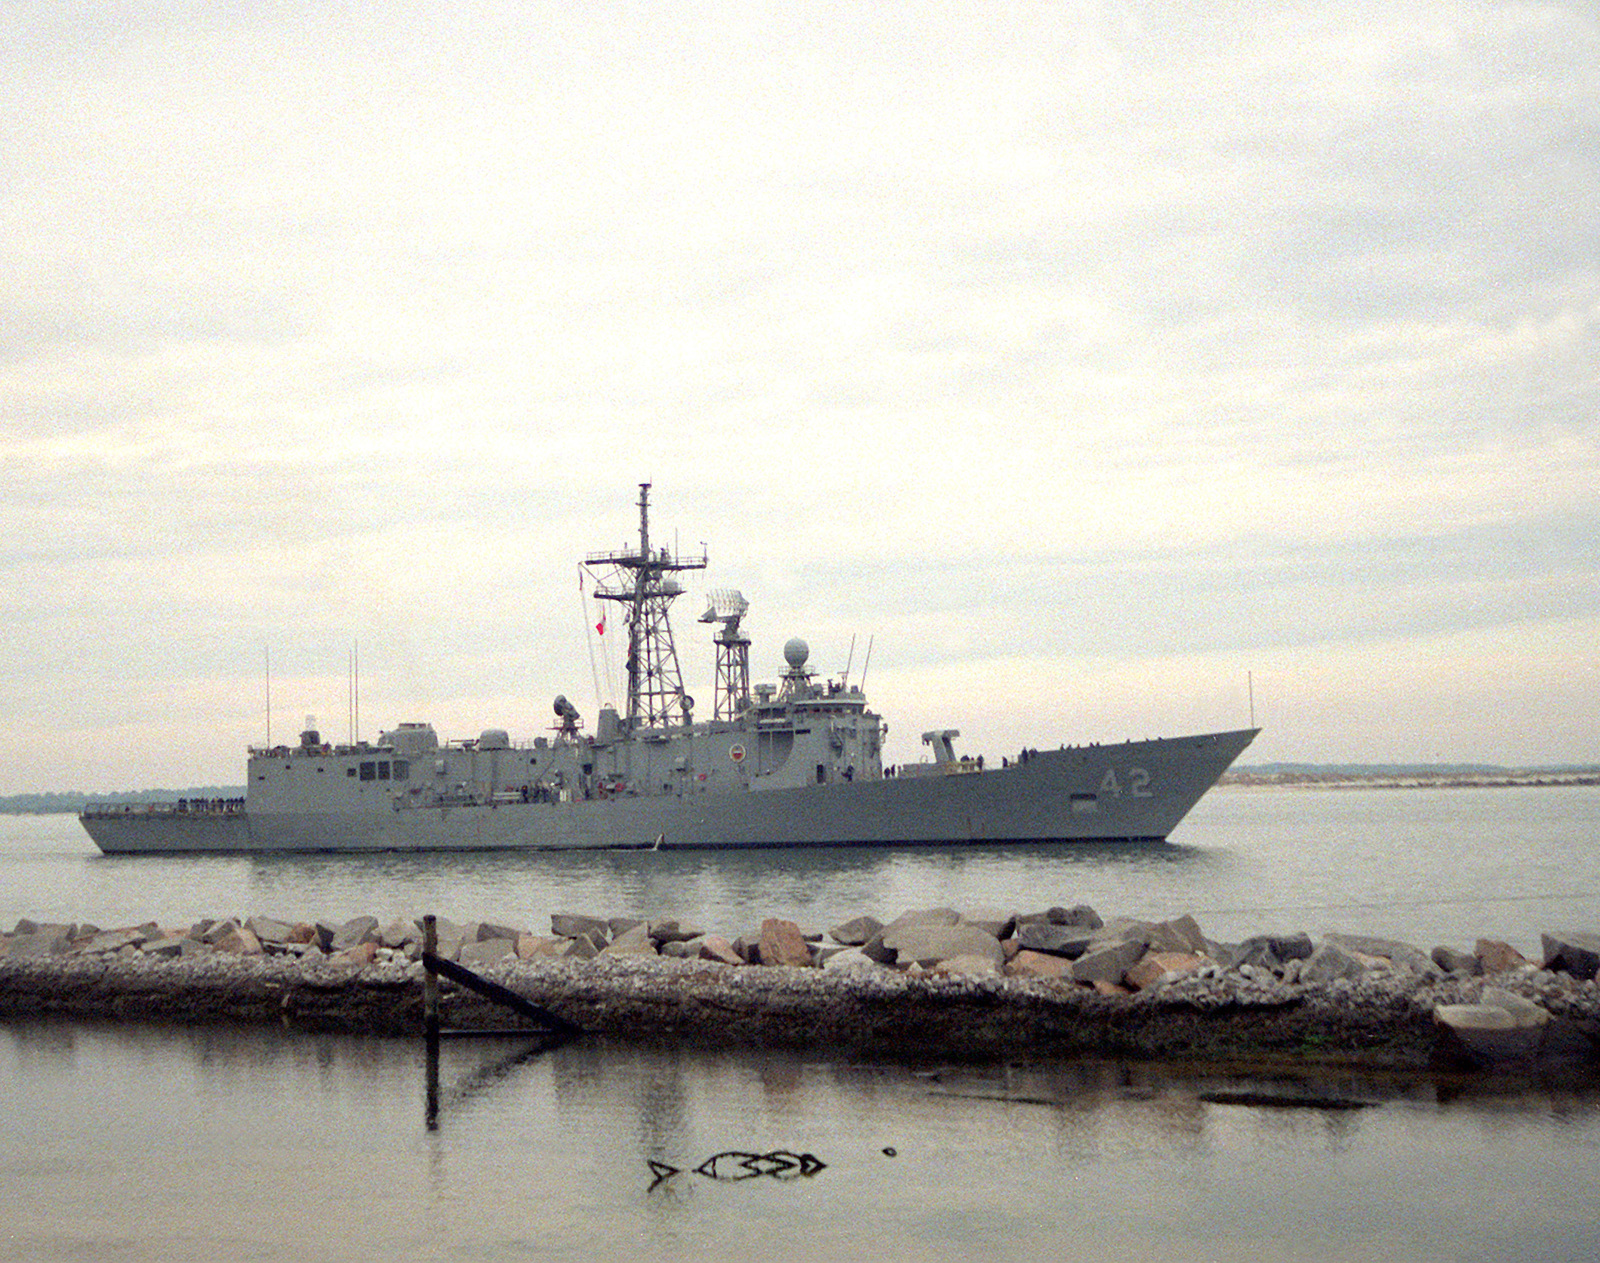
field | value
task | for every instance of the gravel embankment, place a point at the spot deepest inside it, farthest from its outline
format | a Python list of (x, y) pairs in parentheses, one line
[(887, 995)]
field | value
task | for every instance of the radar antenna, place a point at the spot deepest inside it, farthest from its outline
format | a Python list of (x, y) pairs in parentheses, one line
[(642, 583), (732, 695)]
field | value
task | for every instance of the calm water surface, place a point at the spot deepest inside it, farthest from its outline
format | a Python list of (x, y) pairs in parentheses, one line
[(155, 1144), (1430, 865)]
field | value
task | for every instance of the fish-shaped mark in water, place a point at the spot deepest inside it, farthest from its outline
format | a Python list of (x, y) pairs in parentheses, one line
[(738, 1164)]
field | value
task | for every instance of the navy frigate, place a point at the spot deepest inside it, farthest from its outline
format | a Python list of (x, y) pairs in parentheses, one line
[(798, 762)]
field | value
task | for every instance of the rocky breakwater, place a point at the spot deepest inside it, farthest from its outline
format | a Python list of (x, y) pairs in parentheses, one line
[(933, 983)]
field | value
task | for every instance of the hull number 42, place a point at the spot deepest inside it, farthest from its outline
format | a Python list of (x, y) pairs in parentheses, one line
[(1135, 783)]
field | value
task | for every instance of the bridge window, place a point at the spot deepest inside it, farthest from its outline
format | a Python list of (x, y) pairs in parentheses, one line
[(369, 771)]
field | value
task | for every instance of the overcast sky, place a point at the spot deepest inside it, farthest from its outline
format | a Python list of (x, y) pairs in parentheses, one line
[(1090, 360)]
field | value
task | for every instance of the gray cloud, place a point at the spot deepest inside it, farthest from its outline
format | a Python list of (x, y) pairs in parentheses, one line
[(1131, 342)]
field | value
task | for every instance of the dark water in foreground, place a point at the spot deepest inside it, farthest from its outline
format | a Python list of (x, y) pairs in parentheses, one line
[(137, 1144), (125, 1143)]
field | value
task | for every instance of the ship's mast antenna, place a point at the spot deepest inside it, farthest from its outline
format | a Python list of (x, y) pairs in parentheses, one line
[(643, 582), (732, 692)]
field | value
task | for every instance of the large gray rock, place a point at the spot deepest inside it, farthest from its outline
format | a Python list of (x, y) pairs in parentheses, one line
[(572, 924), (355, 931), (1330, 962), (1273, 951), (1107, 962), (634, 942), (675, 931), (486, 951), (1081, 915), (856, 931), (1058, 940), (1526, 1011), (929, 945), (1182, 934), (1503, 1027), (580, 948), (994, 921), (1573, 952), (851, 960), (924, 916), (212, 931), (41, 939), (177, 945), (269, 930), (488, 930), (1124, 930), (234, 939), (1455, 960), (1287, 947), (400, 934), (116, 940), (1487, 1033), (1399, 954)]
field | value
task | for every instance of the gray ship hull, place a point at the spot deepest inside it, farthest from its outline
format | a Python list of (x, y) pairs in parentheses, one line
[(1133, 791)]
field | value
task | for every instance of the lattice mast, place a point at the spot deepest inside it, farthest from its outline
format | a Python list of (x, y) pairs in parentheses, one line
[(642, 583), (733, 653)]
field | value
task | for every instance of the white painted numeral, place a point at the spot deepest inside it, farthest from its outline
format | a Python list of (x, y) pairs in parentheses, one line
[(1138, 783)]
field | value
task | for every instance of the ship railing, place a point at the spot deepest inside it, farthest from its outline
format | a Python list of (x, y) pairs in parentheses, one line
[(184, 808), (318, 751), (963, 766), (661, 559)]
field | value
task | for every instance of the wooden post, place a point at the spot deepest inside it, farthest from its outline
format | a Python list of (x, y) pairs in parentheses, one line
[(430, 1016), (430, 976)]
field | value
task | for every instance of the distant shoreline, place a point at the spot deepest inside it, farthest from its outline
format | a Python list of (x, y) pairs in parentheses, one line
[(1412, 780)]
